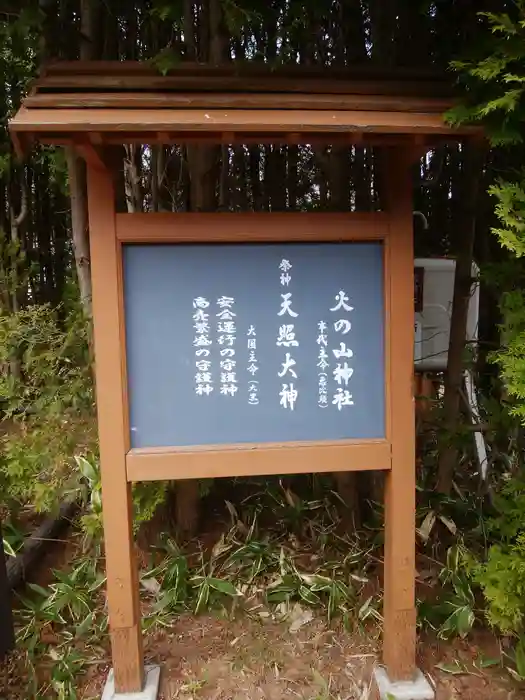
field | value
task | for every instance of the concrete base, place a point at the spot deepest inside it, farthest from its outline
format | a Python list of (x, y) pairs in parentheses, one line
[(417, 689), (150, 691)]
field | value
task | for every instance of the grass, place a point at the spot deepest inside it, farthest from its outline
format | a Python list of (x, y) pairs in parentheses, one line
[(277, 573), (292, 575)]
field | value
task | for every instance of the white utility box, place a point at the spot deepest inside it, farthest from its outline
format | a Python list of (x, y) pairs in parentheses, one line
[(434, 292)]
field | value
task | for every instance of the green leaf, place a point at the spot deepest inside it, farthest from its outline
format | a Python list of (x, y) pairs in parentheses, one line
[(487, 663), (364, 610), (465, 621), (165, 60), (85, 625), (8, 549), (278, 596), (463, 590), (223, 586), (520, 657), (454, 668), (308, 596), (203, 597), (38, 589), (167, 10), (426, 526), (449, 524)]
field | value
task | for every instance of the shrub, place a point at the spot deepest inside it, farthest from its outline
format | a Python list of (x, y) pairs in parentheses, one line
[(47, 401)]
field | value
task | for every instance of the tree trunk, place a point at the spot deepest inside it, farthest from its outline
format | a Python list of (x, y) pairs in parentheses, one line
[(339, 178), (473, 158), (383, 24), (255, 178), (204, 168), (17, 287), (275, 178), (224, 178), (77, 172), (132, 178), (292, 173), (346, 483), (79, 226)]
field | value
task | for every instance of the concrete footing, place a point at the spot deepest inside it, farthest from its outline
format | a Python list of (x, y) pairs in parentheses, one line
[(417, 689), (150, 691)]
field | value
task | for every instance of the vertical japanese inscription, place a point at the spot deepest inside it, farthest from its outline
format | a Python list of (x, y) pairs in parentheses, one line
[(286, 339), (322, 364), (226, 337), (253, 366), (202, 343), (342, 371)]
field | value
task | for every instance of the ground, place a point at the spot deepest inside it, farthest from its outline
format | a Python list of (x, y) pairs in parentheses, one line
[(257, 652), (253, 657), (262, 653)]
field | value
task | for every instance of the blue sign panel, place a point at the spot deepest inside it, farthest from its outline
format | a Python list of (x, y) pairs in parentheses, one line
[(254, 343)]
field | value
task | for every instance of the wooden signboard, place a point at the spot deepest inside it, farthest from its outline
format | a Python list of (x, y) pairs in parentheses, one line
[(254, 344), (243, 344)]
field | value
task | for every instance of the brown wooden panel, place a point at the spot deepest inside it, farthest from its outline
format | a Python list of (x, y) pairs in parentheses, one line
[(238, 460), (251, 77), (212, 100), (251, 460), (122, 584), (126, 651), (249, 69), (237, 120), (388, 291), (249, 227), (400, 488), (236, 83)]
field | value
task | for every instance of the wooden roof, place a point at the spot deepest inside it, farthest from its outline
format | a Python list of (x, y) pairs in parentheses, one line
[(124, 102)]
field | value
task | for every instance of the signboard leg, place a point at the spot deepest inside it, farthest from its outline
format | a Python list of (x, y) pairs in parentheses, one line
[(121, 567), (399, 639)]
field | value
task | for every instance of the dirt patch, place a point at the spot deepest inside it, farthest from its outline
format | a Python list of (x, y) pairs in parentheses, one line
[(221, 659), (466, 677), (211, 658)]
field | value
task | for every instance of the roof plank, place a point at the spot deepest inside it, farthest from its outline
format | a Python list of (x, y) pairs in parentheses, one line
[(196, 100), (247, 68), (238, 120), (130, 102), (236, 83)]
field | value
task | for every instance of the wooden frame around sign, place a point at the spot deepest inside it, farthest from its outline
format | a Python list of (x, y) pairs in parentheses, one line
[(121, 465), (150, 464)]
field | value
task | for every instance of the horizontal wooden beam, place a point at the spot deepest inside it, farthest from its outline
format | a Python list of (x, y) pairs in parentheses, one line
[(142, 123), (250, 227), (236, 100), (246, 76), (363, 71), (272, 83), (341, 140), (256, 460)]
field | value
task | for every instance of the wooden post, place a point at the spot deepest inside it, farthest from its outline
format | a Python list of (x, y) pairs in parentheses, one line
[(7, 635), (108, 325), (399, 642)]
